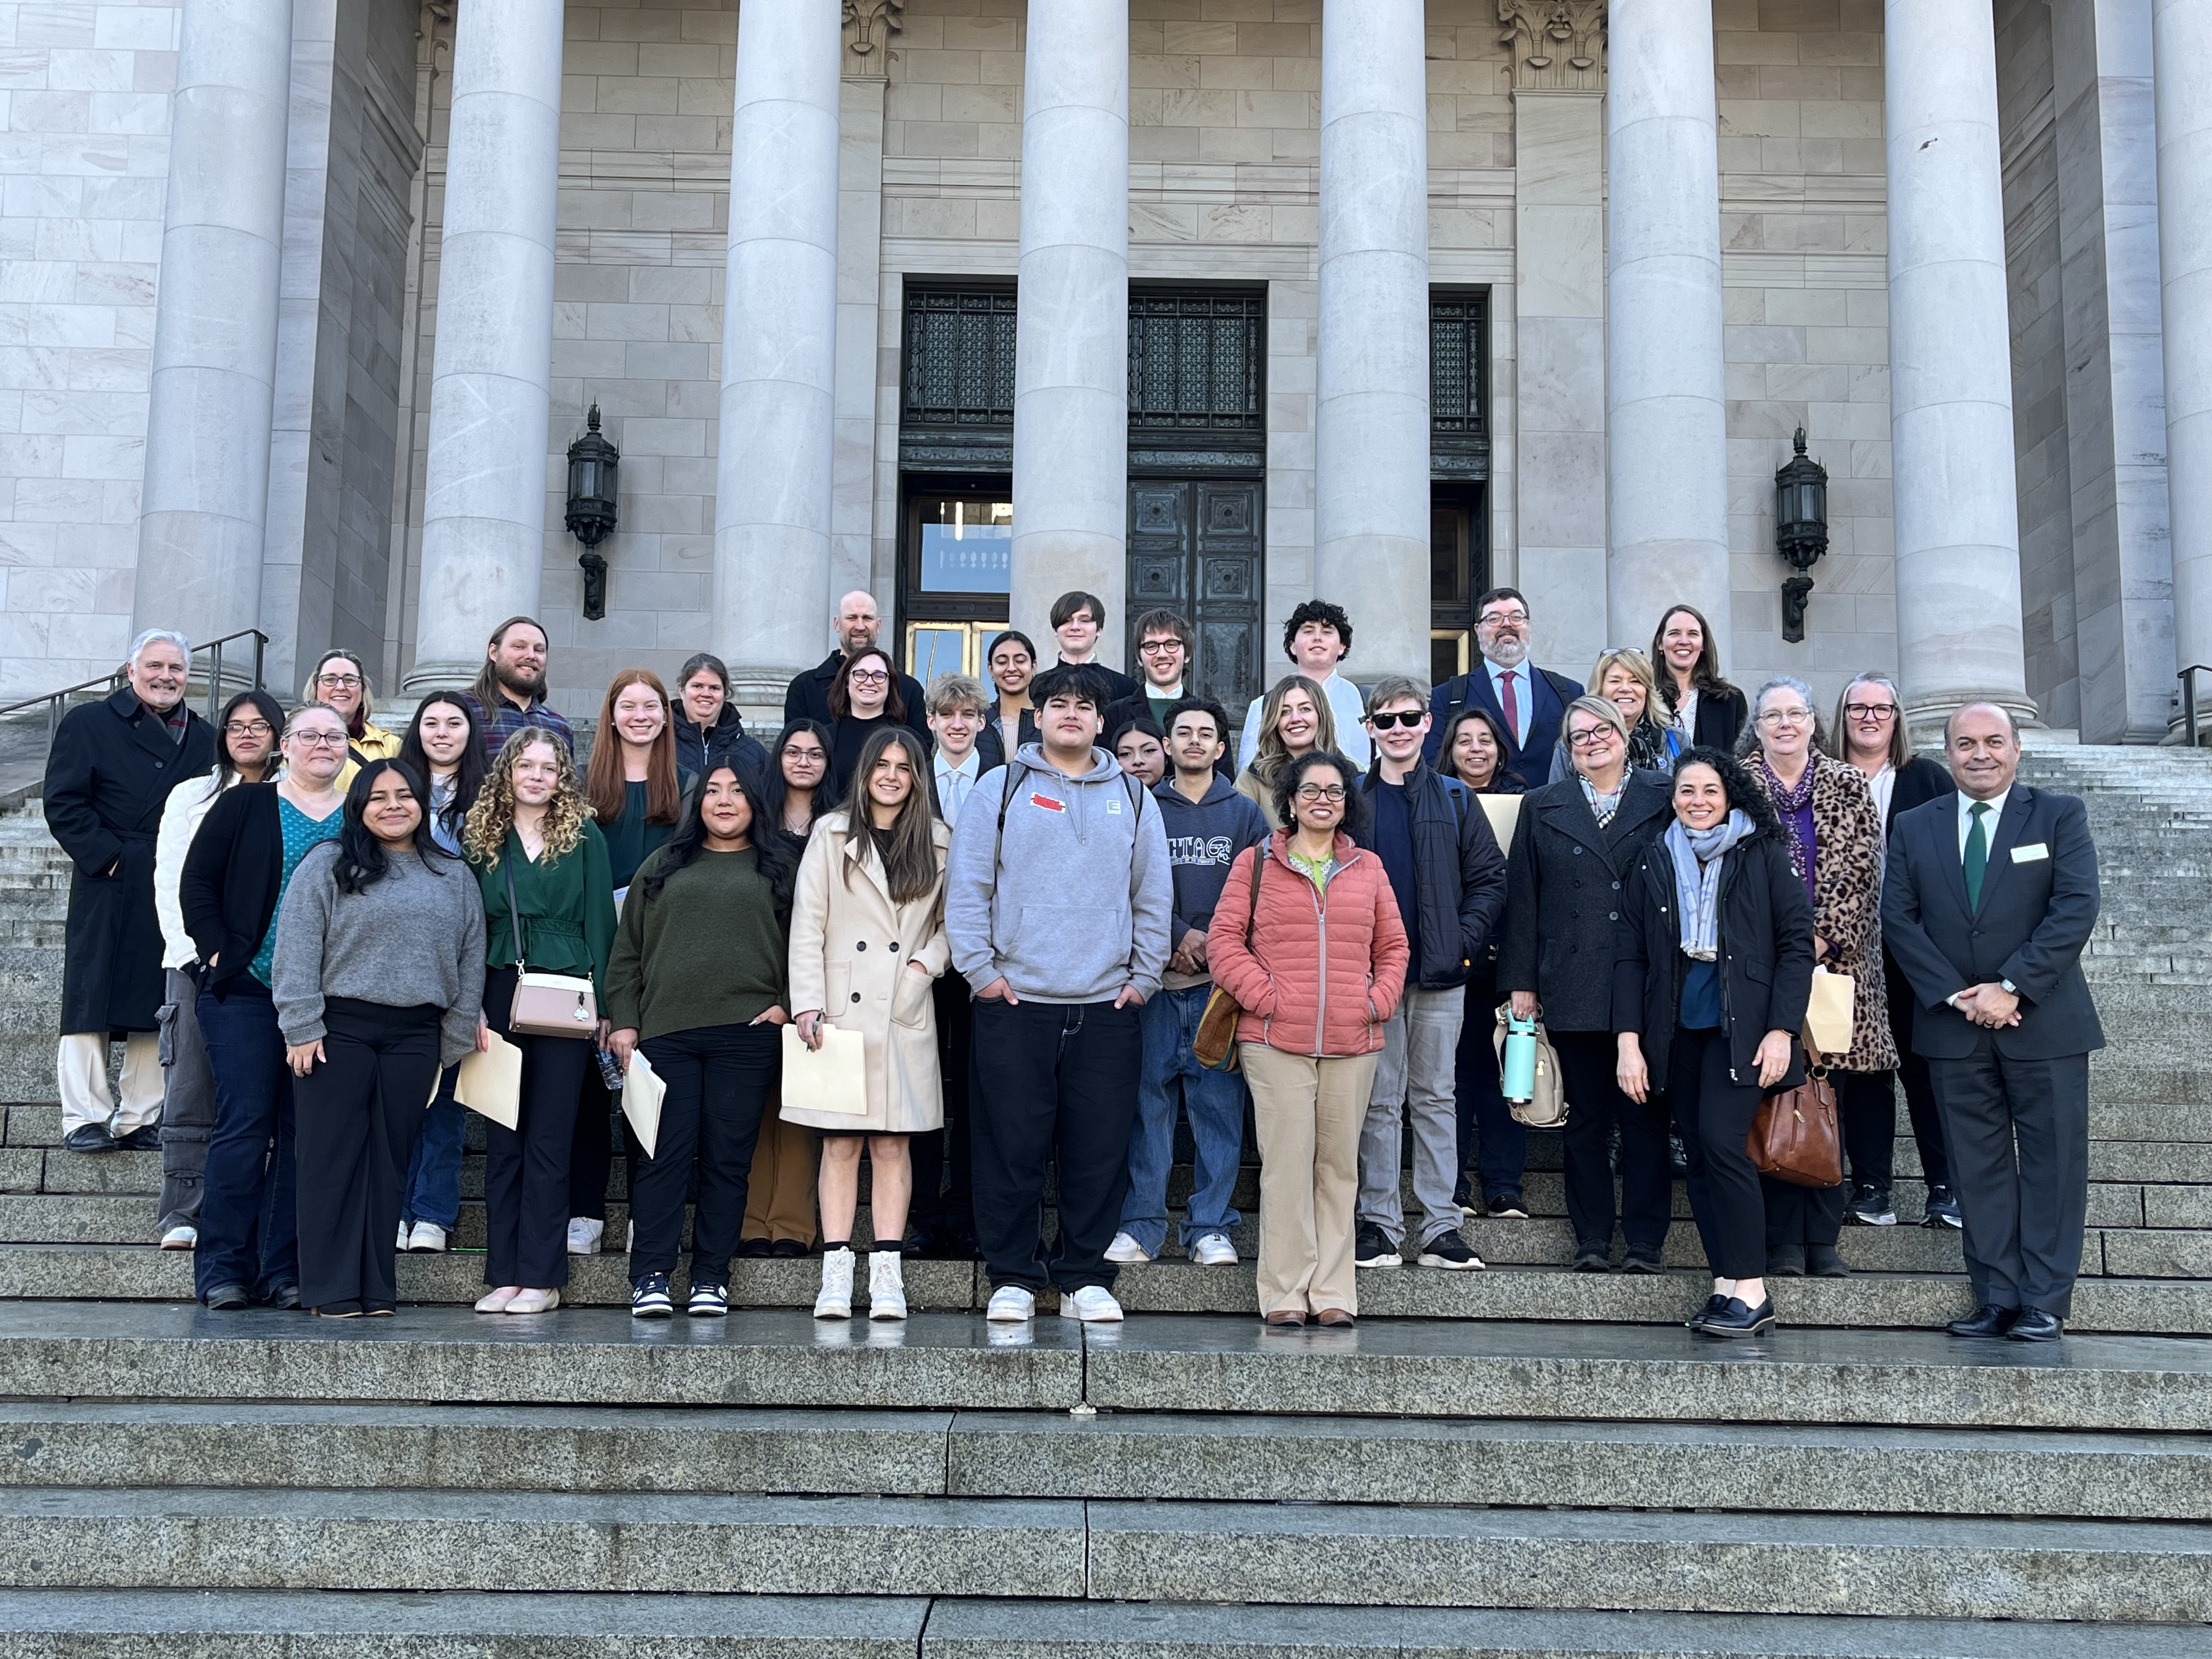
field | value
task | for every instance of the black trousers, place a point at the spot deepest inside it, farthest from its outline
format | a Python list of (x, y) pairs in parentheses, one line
[(2019, 1134), (355, 1118), (1057, 1083), (1595, 1106), (945, 1161), (719, 1079), (526, 1167), (1490, 1136), (1713, 1114), (1919, 1095), (1799, 1216)]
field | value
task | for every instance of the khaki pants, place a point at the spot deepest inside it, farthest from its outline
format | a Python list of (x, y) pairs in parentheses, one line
[(1309, 1114), (81, 1075), (780, 1198)]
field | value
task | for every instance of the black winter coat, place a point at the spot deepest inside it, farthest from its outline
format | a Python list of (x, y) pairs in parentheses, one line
[(233, 875), (807, 697), (1766, 957), (699, 750), (108, 775), (1459, 875), (1564, 898)]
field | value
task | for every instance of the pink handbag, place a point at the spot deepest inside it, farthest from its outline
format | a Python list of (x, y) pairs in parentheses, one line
[(547, 1005)]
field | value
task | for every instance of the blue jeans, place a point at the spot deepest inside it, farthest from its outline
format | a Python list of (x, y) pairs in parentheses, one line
[(249, 1221), (433, 1192), (1214, 1101)]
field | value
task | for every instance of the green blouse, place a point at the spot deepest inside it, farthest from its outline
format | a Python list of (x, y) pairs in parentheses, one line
[(568, 908)]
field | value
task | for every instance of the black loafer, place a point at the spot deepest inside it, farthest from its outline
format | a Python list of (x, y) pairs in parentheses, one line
[(146, 1138), (2033, 1325), (1734, 1319), (1988, 1320), (1826, 1261), (1591, 1259), (787, 1248), (1714, 1303), (227, 1298), (89, 1137), (1785, 1262), (756, 1249)]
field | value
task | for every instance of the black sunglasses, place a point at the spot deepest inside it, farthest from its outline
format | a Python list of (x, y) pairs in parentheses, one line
[(1406, 717)]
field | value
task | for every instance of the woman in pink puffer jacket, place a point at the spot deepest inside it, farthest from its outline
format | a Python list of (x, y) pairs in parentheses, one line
[(1317, 965)]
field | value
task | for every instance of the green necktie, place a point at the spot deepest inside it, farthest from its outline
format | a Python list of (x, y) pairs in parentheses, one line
[(1978, 854)]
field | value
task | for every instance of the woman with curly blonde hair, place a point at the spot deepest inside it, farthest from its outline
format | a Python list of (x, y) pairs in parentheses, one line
[(548, 902)]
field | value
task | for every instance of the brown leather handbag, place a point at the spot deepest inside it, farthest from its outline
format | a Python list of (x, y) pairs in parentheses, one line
[(1795, 1137), (1214, 1043)]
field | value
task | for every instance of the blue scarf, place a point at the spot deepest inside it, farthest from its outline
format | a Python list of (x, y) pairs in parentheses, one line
[(1698, 854)]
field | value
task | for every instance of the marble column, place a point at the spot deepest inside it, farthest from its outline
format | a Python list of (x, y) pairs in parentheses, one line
[(205, 497), (2182, 45), (484, 485), (774, 477), (1372, 417), (1071, 340), (1959, 636), (1666, 412)]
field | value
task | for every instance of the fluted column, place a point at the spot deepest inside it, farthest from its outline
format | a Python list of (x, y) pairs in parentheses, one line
[(1372, 418), (2181, 44), (773, 479), (483, 515), (1666, 413), (1958, 636), (1072, 341), (205, 496)]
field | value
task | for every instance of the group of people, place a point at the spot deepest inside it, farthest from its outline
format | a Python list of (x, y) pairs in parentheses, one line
[(1062, 919)]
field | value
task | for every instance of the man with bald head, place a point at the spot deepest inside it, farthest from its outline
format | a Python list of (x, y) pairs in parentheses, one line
[(1989, 898), (856, 624)]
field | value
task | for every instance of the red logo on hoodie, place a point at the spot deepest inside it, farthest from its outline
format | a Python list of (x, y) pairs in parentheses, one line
[(1047, 803)]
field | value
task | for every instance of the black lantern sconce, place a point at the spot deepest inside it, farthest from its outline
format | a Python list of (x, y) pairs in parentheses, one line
[(1801, 532), (595, 468)]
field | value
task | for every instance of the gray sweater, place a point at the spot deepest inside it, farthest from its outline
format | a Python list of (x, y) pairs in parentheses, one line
[(415, 936)]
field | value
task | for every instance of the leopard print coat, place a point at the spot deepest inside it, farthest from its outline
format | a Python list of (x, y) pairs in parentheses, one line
[(1847, 906)]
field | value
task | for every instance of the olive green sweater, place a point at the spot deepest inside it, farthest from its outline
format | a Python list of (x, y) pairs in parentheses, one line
[(708, 950)]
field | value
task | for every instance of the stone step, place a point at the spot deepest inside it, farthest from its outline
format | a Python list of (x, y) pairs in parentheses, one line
[(1158, 1456)]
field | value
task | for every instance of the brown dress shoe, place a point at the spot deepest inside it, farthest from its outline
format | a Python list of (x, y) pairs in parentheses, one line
[(1286, 1318), (1335, 1318)]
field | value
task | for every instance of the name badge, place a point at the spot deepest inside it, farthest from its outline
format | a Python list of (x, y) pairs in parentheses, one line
[(1047, 803), (2031, 852)]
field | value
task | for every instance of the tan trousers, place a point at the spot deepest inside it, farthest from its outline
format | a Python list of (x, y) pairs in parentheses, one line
[(1309, 1113), (80, 1074), (780, 1198)]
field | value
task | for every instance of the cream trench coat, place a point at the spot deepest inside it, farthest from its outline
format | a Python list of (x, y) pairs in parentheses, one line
[(850, 946)]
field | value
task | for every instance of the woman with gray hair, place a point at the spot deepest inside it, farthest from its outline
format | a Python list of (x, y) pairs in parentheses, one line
[(1578, 837), (1834, 837)]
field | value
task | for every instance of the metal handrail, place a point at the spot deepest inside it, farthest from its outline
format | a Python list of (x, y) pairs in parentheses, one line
[(57, 702), (2188, 679)]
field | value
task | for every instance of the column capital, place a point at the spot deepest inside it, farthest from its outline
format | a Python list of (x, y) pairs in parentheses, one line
[(1558, 45), (869, 25)]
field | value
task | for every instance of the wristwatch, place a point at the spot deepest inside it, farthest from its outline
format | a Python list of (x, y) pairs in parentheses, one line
[(2008, 987)]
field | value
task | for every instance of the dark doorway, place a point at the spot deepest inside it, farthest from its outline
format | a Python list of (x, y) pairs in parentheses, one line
[(1195, 546)]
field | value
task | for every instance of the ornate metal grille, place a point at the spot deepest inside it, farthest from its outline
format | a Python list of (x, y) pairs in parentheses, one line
[(1458, 333), (959, 358), (1195, 362)]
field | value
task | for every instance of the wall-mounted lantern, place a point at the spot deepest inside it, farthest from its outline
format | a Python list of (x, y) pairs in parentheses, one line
[(595, 467), (1801, 532)]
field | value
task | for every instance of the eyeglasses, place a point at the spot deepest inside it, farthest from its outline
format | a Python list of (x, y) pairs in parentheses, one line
[(1500, 618), (868, 675), (319, 739), (1158, 647), (1314, 792), (1405, 717), (1870, 711), (1786, 717), (347, 681), (248, 729), (1592, 737)]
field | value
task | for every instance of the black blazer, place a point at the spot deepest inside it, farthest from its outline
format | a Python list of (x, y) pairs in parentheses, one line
[(1564, 882), (232, 878), (1531, 760), (1721, 717), (2036, 914), (1125, 686), (807, 697), (1919, 781), (1765, 957)]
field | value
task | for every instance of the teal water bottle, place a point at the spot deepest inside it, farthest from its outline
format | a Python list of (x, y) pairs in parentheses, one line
[(1520, 1062)]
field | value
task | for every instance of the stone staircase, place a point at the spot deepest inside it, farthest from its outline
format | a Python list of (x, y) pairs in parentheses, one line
[(1522, 1460)]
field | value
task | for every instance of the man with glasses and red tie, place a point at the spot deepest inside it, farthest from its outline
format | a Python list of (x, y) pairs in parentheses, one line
[(1527, 701)]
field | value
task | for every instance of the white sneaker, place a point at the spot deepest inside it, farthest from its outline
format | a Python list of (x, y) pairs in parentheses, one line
[(886, 1285), (180, 1238), (531, 1302), (428, 1237), (1215, 1250), (835, 1300), (584, 1234), (401, 1244), (1010, 1305), (1125, 1251), (496, 1301), (1094, 1304)]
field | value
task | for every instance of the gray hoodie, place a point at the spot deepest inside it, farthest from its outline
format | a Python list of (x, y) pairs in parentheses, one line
[(1073, 902)]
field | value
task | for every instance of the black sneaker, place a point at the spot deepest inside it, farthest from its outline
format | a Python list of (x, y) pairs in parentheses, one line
[(284, 1297), (1642, 1261), (649, 1298), (1450, 1251), (1870, 1207), (1371, 1249), (1943, 1209), (1507, 1205), (228, 1298), (1593, 1259)]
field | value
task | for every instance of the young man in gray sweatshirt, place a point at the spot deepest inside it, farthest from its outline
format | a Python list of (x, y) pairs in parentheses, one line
[(1057, 900)]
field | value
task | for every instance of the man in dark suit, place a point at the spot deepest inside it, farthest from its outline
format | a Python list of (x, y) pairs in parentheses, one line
[(856, 624), (1988, 897), (1528, 702)]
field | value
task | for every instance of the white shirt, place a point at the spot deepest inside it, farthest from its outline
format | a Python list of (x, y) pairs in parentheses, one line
[(1686, 716), (1345, 701), (956, 783), (1881, 785), (1989, 820), (1523, 695)]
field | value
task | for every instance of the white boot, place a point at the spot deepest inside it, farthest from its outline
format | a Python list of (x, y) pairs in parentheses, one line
[(886, 1289), (836, 1301)]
